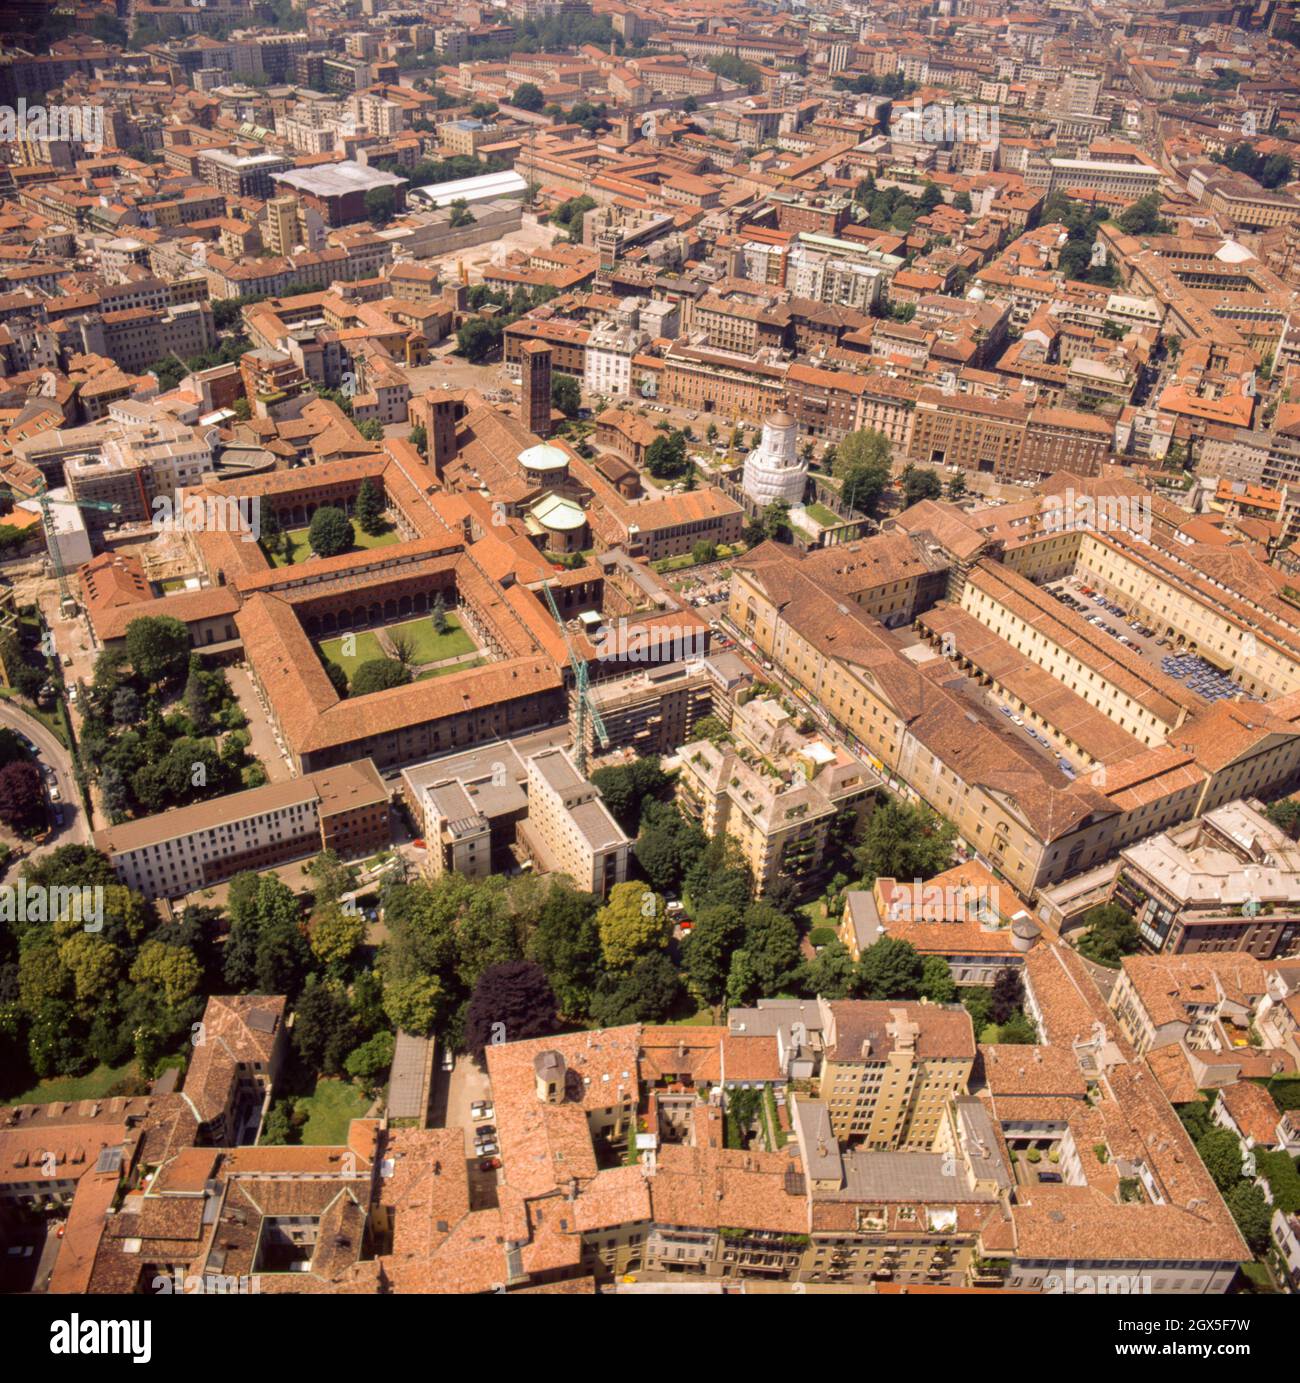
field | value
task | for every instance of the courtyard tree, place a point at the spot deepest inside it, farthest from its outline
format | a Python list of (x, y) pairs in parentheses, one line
[(379, 674), (331, 532), (158, 648), (566, 395), (370, 507)]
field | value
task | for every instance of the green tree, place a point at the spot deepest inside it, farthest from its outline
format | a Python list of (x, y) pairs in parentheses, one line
[(566, 944), (330, 532), (1252, 1213), (627, 787), (1143, 217), (668, 845), (776, 521), (95, 966), (334, 934), (477, 340), (832, 973), (904, 841), (937, 983), (1285, 815), (370, 507), (371, 1062), (158, 648), (920, 482), (379, 674), (414, 1004), (665, 457), (1221, 1153), (528, 97), (381, 203), (324, 1029), (645, 993), (771, 945), (439, 614), (890, 969), (174, 971), (633, 922), (1110, 935), (734, 69), (707, 952), (566, 395)]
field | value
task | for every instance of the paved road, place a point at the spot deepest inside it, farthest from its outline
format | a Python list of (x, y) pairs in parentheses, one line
[(75, 829)]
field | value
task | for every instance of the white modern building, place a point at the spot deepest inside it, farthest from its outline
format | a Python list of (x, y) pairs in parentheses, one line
[(773, 470), (610, 349)]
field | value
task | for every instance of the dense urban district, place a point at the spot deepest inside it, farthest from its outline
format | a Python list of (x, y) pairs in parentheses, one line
[(649, 648)]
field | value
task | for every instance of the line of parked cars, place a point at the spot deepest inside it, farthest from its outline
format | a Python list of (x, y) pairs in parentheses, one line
[(485, 1135)]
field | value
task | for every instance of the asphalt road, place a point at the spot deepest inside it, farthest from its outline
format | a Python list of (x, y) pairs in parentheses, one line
[(75, 830)]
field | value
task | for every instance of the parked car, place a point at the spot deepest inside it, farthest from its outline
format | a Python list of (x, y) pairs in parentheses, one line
[(489, 1164), (448, 1059), (485, 1131), (487, 1149)]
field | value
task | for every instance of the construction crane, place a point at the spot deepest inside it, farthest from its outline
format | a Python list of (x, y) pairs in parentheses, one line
[(40, 492), (582, 684)]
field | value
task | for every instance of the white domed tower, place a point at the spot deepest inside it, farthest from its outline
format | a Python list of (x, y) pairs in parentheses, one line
[(773, 469)]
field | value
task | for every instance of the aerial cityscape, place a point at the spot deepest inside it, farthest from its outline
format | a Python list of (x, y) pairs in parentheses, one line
[(649, 649)]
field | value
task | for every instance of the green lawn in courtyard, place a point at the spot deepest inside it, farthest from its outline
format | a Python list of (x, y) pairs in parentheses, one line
[(451, 667), (365, 648), (430, 646), (94, 1085), (302, 549), (332, 1105)]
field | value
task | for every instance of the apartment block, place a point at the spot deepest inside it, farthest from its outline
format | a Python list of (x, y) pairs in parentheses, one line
[(889, 1070), (569, 829), (781, 794), (344, 809)]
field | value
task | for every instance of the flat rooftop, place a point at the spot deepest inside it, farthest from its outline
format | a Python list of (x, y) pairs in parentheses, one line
[(338, 179)]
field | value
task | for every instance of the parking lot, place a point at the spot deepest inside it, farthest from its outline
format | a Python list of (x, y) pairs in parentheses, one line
[(1196, 674), (1038, 740), (459, 1097)]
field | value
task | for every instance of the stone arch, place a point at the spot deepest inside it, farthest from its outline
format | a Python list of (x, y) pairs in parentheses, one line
[(312, 625), (390, 608), (327, 622), (375, 614), (359, 616), (404, 605), (421, 603)]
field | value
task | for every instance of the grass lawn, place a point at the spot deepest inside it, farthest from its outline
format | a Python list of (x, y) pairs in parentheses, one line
[(450, 668), (332, 1105), (821, 514), (701, 1018), (366, 649), (302, 549), (93, 1085), (430, 646)]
